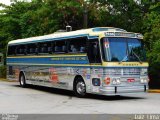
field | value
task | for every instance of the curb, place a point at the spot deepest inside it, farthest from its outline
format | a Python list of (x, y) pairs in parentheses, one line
[(154, 90)]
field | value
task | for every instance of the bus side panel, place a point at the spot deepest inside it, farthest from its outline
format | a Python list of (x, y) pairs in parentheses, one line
[(58, 77), (13, 72)]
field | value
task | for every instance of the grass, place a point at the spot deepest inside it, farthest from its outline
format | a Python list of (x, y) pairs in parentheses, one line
[(6, 80), (3, 79)]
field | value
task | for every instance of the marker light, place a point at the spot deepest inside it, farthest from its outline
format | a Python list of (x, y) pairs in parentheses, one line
[(107, 80)]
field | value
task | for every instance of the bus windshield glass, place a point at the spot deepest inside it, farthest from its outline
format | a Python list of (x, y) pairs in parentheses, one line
[(123, 49)]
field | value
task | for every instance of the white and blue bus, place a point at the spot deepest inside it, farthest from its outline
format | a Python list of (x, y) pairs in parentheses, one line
[(102, 60)]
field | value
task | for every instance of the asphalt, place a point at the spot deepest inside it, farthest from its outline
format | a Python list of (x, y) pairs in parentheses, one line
[(43, 100)]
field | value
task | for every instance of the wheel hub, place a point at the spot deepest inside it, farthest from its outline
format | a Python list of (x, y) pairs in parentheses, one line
[(80, 87)]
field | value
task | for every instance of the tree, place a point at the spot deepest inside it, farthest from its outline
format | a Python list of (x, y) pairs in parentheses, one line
[(152, 41), (126, 14)]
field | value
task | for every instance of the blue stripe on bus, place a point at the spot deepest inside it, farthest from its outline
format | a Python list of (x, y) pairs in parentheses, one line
[(50, 60)]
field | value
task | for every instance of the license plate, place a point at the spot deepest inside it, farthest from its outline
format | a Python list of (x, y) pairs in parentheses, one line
[(131, 80)]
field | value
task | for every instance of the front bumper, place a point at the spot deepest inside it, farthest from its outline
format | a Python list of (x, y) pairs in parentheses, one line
[(121, 90)]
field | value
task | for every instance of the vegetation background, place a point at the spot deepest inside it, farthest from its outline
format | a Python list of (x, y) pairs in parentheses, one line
[(40, 17)]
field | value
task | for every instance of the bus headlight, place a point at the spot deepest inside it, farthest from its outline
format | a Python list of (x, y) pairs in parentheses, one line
[(116, 81), (144, 80)]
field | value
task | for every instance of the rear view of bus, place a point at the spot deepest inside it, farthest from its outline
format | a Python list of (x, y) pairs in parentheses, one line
[(124, 62)]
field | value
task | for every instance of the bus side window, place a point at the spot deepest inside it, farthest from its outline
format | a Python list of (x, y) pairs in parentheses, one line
[(50, 50), (77, 45), (25, 50), (11, 50), (15, 50), (49, 47), (93, 51), (20, 49), (60, 46), (36, 50), (31, 48)]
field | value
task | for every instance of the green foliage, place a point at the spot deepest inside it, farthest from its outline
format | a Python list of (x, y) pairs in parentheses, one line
[(151, 31), (3, 71), (126, 14)]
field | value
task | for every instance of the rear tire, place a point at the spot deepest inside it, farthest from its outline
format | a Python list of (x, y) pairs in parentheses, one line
[(79, 87), (22, 80)]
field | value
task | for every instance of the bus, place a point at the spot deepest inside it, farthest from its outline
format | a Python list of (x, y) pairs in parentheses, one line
[(100, 60)]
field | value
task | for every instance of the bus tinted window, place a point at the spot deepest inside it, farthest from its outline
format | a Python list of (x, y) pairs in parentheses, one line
[(20, 49), (93, 51), (45, 48), (77, 45), (60, 47), (30, 48), (11, 50)]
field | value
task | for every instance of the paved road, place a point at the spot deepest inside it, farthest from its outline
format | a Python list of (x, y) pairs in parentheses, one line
[(14, 99)]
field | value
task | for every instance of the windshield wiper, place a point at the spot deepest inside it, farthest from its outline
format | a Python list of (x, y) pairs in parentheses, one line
[(136, 55), (126, 57)]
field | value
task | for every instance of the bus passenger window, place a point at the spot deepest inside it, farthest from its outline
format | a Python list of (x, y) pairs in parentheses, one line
[(31, 48), (50, 50), (36, 50), (77, 45), (25, 50), (93, 51), (63, 48), (56, 49), (82, 49), (60, 47), (43, 48), (21, 51), (73, 49), (11, 50)]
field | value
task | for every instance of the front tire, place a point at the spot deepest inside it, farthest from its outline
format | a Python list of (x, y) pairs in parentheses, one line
[(80, 88), (22, 80)]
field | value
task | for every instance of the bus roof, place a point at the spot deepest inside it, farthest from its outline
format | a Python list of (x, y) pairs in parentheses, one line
[(91, 32)]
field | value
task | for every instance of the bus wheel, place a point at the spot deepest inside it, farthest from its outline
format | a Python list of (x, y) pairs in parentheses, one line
[(22, 80), (79, 88)]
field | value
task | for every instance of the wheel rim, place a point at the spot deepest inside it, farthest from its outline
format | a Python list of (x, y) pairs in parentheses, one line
[(22, 80), (81, 88)]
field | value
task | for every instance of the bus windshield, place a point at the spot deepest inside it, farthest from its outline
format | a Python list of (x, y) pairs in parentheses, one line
[(123, 49)]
